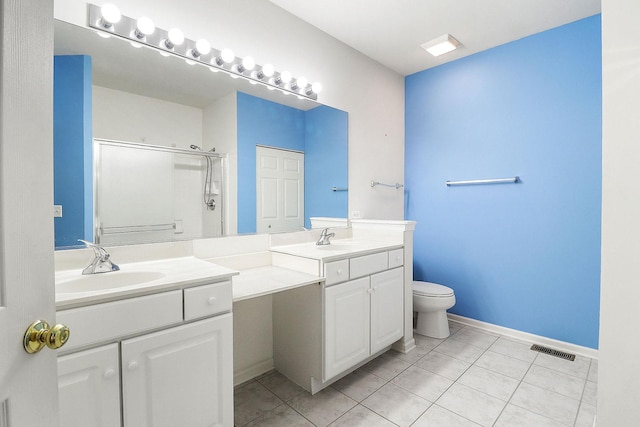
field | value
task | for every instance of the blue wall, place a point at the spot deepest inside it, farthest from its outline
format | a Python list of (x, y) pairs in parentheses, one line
[(325, 163), (524, 256), (261, 122), (72, 142)]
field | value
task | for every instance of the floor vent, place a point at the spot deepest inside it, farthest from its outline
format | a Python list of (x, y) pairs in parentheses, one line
[(553, 352)]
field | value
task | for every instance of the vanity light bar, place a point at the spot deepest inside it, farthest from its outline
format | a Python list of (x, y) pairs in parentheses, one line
[(173, 42)]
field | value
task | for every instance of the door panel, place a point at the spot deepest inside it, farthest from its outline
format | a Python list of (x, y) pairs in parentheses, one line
[(89, 388), (279, 190), (387, 308), (346, 325), (26, 218), (164, 371)]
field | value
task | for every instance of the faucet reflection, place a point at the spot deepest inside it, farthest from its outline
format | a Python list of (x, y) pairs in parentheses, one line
[(324, 237), (101, 262)]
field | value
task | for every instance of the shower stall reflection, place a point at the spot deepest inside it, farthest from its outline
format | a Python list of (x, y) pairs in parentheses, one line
[(146, 193)]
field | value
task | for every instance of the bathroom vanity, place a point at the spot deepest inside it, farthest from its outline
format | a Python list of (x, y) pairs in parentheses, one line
[(153, 343), (168, 339), (322, 333)]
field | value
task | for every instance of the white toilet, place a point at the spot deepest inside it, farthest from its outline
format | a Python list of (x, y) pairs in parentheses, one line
[(431, 301)]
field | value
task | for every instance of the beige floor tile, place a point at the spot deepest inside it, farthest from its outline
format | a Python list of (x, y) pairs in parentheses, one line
[(513, 416), (460, 350), (324, 407), (516, 349), (475, 337), (505, 365), (281, 416), (443, 365), (281, 386), (436, 416), (360, 416), (396, 404), (386, 366), (423, 383), (489, 382), (472, 404), (359, 384), (546, 403), (251, 401)]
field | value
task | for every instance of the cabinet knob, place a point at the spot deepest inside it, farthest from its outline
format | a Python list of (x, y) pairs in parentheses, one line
[(109, 373), (398, 258), (339, 271), (39, 334), (133, 366), (212, 300)]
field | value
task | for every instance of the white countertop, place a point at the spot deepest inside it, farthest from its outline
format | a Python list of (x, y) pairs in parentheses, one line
[(157, 275), (256, 282), (338, 249)]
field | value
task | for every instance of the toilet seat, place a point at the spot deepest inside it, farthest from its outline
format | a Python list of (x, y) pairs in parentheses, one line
[(432, 290)]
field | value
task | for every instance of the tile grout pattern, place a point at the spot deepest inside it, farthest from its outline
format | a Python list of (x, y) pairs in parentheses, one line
[(472, 378)]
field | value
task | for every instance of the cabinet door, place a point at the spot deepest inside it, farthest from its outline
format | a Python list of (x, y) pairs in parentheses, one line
[(89, 388), (346, 325), (387, 303), (182, 376)]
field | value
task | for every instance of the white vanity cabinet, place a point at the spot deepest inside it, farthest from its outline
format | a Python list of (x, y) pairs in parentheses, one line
[(322, 333), (158, 360), (362, 317)]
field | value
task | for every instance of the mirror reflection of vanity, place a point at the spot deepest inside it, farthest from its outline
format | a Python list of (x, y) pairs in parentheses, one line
[(107, 90)]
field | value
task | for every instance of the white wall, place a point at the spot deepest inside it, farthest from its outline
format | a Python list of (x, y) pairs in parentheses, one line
[(124, 116), (619, 371), (372, 94), (220, 130)]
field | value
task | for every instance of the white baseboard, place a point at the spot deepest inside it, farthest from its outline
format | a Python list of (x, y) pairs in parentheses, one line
[(252, 372), (525, 336)]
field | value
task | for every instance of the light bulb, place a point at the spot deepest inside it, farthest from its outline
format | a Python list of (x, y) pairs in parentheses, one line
[(316, 87), (268, 70), (286, 77), (110, 15), (144, 28), (302, 82), (175, 38), (227, 55), (202, 47), (248, 63)]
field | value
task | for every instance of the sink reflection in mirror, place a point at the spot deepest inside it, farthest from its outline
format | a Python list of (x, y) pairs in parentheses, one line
[(105, 281), (134, 103)]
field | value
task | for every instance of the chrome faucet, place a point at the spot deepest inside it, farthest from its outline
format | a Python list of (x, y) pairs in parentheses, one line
[(324, 237), (101, 263)]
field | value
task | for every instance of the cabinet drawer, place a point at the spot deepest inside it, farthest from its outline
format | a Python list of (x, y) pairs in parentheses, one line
[(207, 300), (396, 258), (108, 321), (368, 264), (336, 272)]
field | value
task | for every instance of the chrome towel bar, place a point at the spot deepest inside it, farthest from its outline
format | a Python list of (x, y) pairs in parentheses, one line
[(514, 180), (339, 189), (396, 185)]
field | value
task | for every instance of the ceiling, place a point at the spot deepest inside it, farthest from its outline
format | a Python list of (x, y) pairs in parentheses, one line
[(391, 31)]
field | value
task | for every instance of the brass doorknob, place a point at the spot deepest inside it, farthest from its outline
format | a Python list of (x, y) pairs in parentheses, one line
[(40, 334)]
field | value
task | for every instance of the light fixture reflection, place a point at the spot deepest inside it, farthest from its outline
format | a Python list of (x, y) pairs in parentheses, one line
[(110, 15), (175, 37), (144, 28)]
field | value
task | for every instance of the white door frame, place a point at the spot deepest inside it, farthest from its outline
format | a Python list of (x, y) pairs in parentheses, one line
[(28, 383)]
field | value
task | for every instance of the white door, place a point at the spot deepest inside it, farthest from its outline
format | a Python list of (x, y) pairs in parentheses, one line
[(181, 376), (28, 383), (279, 190), (387, 308), (346, 331)]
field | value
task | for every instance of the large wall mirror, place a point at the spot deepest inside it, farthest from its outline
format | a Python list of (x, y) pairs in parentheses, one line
[(148, 148)]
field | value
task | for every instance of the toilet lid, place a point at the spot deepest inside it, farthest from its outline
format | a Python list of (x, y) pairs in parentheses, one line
[(431, 289)]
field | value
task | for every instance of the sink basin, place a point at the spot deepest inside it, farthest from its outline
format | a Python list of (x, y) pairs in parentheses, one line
[(104, 281)]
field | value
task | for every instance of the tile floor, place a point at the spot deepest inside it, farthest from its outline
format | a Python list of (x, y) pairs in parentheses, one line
[(472, 378)]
